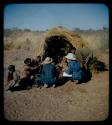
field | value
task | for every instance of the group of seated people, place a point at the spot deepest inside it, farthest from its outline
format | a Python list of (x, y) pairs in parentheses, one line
[(45, 73)]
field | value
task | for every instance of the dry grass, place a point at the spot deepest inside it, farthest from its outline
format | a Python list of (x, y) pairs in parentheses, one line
[(19, 40), (71, 102), (96, 39), (70, 36), (8, 45)]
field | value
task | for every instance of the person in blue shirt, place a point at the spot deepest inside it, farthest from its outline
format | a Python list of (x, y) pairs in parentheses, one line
[(48, 73), (74, 68)]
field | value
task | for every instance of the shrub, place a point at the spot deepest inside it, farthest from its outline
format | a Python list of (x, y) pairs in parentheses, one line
[(8, 45), (26, 45), (18, 47), (97, 65)]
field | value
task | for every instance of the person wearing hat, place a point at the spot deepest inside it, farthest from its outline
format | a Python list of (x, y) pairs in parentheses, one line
[(48, 73), (74, 68)]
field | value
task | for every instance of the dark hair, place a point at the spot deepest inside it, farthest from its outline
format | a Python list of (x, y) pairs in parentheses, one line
[(38, 56), (27, 60), (11, 68), (73, 48)]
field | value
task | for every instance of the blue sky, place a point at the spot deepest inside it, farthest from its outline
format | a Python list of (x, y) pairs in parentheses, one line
[(45, 16)]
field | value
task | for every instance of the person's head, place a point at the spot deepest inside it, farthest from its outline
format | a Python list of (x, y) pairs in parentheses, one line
[(64, 59), (73, 50), (39, 58), (27, 61), (11, 68), (70, 56)]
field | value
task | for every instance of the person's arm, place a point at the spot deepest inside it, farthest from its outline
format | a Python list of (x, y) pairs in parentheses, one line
[(79, 57), (69, 69), (7, 79), (25, 71), (90, 55), (87, 59), (16, 77), (36, 67)]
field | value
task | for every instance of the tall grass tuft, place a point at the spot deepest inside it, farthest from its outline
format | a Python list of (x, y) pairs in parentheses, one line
[(8, 45)]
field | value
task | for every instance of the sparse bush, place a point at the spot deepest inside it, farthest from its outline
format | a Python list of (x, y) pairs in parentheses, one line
[(8, 45), (27, 30), (97, 65), (26, 45), (8, 32), (28, 41), (18, 47), (96, 39)]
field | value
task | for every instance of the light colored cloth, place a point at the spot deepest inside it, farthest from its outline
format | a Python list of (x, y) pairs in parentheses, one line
[(47, 60), (66, 75), (70, 56)]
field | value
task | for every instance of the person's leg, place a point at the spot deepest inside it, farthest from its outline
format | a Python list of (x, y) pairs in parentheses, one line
[(10, 85), (61, 81), (75, 81), (23, 83), (37, 82), (19, 87), (31, 82), (78, 81), (54, 85), (88, 63)]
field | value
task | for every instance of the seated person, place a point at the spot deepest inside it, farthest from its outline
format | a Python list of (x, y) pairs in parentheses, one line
[(12, 77), (84, 56), (37, 63), (62, 66), (27, 74), (74, 68), (48, 73), (38, 60)]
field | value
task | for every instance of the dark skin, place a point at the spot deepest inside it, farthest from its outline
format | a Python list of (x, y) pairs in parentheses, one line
[(73, 51), (61, 68)]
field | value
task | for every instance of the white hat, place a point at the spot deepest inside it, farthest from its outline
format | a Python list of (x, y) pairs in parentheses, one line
[(47, 60), (71, 56)]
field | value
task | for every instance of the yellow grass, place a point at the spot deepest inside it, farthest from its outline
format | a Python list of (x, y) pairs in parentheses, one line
[(70, 36)]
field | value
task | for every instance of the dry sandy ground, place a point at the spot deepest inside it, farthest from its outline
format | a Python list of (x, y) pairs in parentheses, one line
[(69, 102)]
